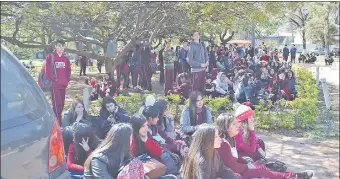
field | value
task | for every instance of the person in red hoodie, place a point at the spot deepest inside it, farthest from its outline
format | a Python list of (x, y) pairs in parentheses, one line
[(84, 142), (228, 128), (60, 76)]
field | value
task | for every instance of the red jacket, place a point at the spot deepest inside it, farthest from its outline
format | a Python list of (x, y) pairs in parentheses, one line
[(153, 149), (243, 146), (71, 157), (63, 69), (229, 160)]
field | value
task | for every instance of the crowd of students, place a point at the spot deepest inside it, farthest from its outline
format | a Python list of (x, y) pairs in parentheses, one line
[(145, 145), (245, 75)]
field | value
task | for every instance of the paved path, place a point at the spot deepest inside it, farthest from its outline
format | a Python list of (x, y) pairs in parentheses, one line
[(331, 73), (302, 154)]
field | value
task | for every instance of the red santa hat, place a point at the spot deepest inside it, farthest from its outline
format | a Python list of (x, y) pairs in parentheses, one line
[(243, 112)]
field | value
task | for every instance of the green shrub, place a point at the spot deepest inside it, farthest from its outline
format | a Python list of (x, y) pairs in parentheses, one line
[(300, 113)]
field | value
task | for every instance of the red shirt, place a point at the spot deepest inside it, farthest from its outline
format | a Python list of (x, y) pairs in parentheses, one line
[(153, 149), (71, 157), (62, 68), (244, 146), (229, 160)]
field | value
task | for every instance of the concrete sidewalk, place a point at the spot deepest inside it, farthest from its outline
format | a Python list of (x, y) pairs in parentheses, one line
[(302, 154)]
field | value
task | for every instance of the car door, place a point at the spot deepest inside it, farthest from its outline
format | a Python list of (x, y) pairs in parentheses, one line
[(26, 121)]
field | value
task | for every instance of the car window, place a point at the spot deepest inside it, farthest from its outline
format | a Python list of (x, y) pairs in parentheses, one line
[(19, 93)]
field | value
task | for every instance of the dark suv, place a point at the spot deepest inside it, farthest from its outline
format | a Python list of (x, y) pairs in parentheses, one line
[(31, 140)]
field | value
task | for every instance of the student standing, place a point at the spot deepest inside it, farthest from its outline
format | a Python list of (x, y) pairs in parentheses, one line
[(183, 53), (292, 54), (83, 63), (198, 60), (161, 65), (285, 53), (60, 77), (169, 57), (137, 71)]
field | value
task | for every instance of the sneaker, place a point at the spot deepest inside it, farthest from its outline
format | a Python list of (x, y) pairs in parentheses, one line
[(307, 174)]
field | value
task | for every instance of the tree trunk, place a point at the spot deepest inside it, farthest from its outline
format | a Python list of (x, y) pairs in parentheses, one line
[(326, 33), (304, 38)]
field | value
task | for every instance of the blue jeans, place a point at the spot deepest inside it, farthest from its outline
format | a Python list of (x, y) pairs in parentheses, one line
[(243, 93), (171, 167)]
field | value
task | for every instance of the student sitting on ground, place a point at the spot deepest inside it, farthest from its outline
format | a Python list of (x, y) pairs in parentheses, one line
[(149, 101), (166, 121), (243, 91), (143, 146), (291, 85), (209, 87), (112, 154), (246, 142), (228, 128), (194, 114), (110, 113), (184, 87), (328, 59), (155, 131), (95, 93), (222, 84), (84, 142), (76, 113), (203, 161), (283, 83)]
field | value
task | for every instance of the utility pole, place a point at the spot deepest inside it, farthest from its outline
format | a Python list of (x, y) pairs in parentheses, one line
[(252, 34)]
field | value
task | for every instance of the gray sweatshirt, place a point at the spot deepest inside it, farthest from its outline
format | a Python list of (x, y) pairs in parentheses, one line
[(197, 55), (185, 122)]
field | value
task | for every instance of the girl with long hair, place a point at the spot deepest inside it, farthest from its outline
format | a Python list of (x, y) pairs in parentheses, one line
[(156, 132), (110, 113), (291, 85), (76, 113), (228, 127), (246, 142), (112, 154), (202, 161), (166, 121), (84, 142), (194, 114), (144, 146)]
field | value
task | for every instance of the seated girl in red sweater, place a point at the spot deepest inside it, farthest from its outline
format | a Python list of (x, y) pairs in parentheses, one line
[(183, 87), (143, 145), (246, 142), (84, 142), (228, 128), (157, 133)]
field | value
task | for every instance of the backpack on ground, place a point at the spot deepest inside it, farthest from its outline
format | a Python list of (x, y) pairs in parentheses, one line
[(44, 83)]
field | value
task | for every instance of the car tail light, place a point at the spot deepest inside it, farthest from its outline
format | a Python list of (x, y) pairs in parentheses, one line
[(56, 148)]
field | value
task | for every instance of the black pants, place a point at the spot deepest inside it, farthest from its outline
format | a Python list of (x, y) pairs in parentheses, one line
[(83, 69), (99, 66), (292, 59)]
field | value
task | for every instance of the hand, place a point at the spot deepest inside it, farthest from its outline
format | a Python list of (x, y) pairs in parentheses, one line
[(85, 144), (79, 116), (251, 123)]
